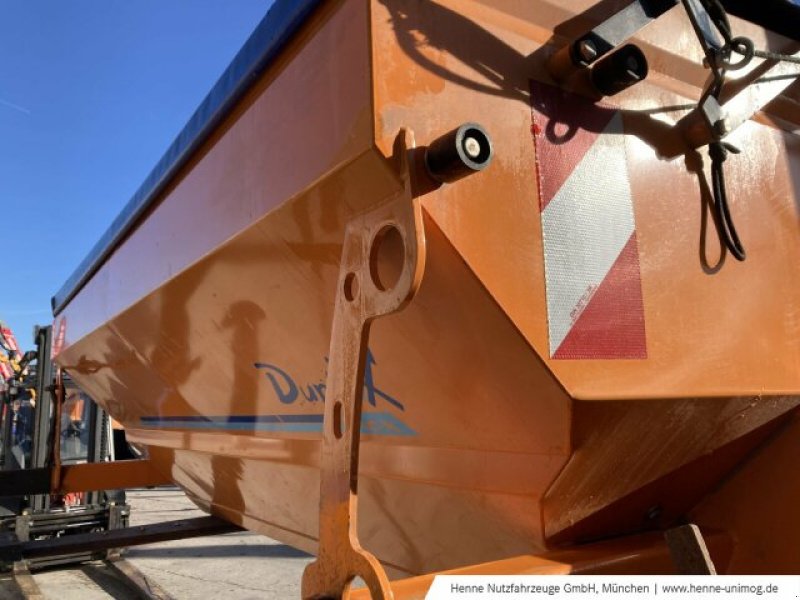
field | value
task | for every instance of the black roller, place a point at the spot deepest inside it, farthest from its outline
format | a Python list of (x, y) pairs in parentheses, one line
[(459, 153), (620, 70)]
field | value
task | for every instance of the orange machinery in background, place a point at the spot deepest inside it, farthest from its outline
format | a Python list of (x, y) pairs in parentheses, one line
[(483, 267)]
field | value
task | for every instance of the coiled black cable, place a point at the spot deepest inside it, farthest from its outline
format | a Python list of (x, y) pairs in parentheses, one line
[(720, 61), (718, 151)]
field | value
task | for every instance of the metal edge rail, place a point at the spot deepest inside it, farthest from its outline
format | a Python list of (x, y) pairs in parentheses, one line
[(274, 32), (14, 552)]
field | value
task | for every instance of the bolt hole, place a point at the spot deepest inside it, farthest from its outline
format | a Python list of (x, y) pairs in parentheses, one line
[(338, 420), (351, 287), (387, 258)]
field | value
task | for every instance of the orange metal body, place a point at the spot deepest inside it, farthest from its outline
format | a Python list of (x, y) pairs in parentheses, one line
[(108, 475), (482, 447)]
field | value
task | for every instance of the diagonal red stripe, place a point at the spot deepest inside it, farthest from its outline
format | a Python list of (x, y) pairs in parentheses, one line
[(612, 324), (565, 125)]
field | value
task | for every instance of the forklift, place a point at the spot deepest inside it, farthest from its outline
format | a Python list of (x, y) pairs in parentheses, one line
[(45, 419), (64, 467)]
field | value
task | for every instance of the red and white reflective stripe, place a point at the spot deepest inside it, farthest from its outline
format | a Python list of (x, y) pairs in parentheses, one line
[(6, 372), (10, 340), (593, 282), (60, 337)]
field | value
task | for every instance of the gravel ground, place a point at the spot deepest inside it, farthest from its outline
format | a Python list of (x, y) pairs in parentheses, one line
[(238, 566)]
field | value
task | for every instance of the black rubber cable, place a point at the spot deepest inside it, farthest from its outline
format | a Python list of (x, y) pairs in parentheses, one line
[(720, 61), (718, 151)]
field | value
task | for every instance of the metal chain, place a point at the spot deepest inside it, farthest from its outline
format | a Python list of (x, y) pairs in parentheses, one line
[(744, 46)]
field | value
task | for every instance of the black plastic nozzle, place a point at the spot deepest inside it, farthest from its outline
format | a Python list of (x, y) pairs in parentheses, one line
[(620, 70), (459, 153)]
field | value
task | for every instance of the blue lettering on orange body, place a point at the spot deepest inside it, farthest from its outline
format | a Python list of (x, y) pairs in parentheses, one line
[(288, 391)]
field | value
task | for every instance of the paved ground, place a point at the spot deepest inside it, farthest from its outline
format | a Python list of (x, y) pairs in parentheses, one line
[(238, 566)]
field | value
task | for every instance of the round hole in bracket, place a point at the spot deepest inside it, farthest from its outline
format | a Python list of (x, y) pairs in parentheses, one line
[(338, 420), (387, 257), (351, 286)]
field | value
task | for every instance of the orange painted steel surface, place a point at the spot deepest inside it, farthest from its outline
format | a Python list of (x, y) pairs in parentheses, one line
[(207, 332), (109, 475), (634, 555)]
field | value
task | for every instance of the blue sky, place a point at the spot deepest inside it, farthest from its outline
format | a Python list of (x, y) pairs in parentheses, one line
[(92, 92)]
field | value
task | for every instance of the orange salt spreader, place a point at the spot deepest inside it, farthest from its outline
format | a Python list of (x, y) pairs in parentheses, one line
[(521, 278)]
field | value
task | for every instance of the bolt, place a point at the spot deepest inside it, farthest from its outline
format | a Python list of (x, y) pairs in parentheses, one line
[(472, 147), (587, 50)]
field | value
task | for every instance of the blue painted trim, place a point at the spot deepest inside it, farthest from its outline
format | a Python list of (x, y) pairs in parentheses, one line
[(371, 423), (259, 51)]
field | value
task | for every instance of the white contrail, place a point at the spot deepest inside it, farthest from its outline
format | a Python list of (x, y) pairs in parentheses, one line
[(21, 109)]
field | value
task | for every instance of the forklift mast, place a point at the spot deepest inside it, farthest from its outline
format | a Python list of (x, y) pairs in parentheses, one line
[(45, 421)]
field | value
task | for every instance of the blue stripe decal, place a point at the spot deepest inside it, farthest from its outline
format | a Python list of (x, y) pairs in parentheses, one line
[(371, 423)]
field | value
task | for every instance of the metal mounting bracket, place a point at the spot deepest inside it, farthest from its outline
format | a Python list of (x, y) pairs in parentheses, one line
[(712, 121), (689, 551), (371, 241), (606, 36)]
